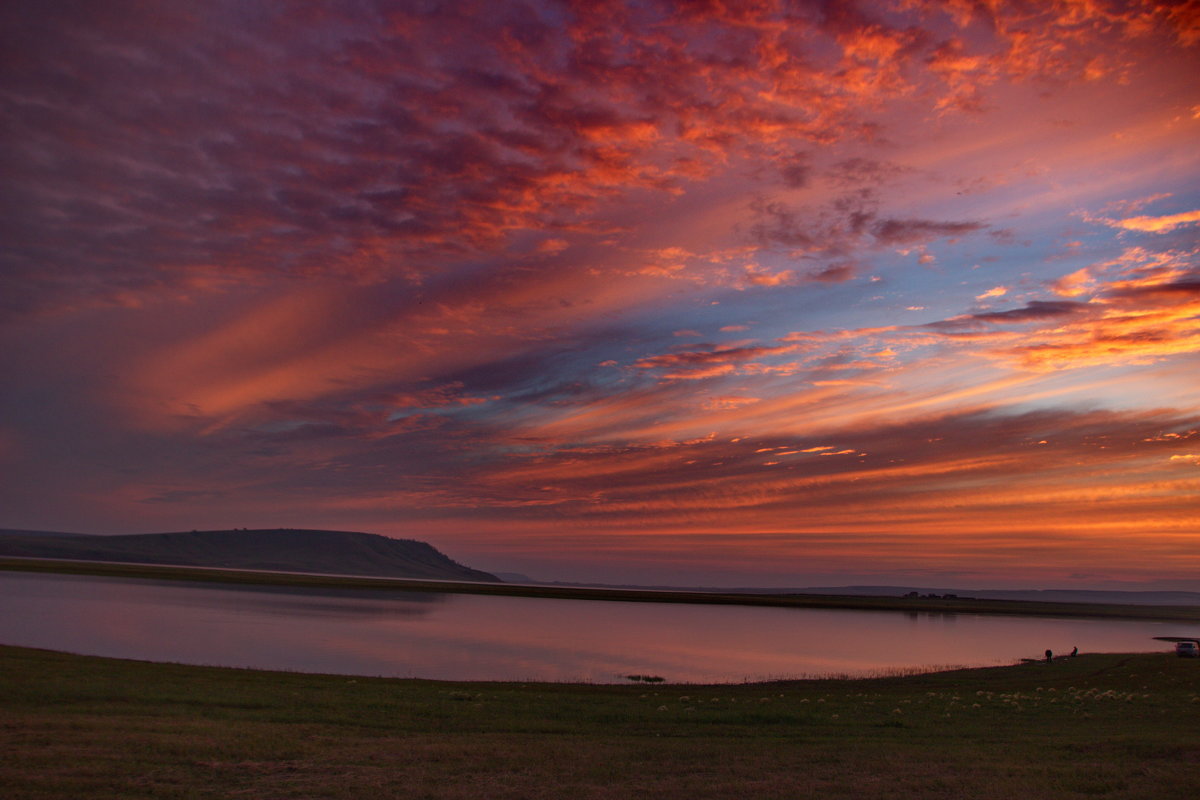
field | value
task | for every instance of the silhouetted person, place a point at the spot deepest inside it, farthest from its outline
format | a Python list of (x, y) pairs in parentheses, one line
[(1049, 656), (1074, 652)]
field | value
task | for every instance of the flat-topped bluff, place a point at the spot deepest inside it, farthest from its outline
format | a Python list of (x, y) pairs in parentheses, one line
[(287, 549)]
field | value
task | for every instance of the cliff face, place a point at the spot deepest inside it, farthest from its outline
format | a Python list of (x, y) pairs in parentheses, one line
[(291, 550)]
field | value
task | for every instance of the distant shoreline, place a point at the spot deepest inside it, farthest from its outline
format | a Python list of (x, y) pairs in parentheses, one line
[(920, 605)]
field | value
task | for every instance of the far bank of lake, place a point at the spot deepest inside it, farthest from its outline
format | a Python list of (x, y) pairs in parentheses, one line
[(938, 605)]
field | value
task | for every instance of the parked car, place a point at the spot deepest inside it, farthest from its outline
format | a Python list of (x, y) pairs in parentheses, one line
[(1187, 649)]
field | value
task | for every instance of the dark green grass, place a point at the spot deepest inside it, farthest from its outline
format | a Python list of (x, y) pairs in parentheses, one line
[(1097, 726), (1025, 608)]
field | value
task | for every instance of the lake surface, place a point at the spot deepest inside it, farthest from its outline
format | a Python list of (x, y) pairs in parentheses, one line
[(476, 637)]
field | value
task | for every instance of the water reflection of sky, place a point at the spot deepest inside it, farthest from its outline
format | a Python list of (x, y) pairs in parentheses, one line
[(312, 602), (465, 637)]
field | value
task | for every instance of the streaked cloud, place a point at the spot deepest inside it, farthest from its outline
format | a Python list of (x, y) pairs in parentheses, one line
[(1159, 224)]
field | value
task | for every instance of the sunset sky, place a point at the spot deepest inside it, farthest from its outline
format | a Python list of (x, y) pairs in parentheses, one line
[(706, 293)]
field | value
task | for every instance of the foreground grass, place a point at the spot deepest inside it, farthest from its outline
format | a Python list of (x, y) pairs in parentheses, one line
[(941, 605), (1098, 726)]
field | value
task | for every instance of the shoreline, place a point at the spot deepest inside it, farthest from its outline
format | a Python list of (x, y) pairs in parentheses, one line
[(919, 605), (7, 650), (899, 674)]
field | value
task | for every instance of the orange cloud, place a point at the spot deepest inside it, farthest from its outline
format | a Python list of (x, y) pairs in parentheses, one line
[(782, 278), (1157, 224), (699, 373)]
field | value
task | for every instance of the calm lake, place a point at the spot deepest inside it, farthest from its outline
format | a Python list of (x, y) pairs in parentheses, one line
[(474, 637)]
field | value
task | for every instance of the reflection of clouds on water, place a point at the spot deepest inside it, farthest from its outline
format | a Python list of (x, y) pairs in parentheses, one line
[(324, 602), (948, 617), (258, 598), (472, 637)]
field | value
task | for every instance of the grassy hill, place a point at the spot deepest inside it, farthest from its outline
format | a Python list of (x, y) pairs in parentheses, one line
[(291, 550)]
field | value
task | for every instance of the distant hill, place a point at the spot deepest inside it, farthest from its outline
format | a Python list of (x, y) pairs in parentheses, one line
[(286, 549), (515, 577)]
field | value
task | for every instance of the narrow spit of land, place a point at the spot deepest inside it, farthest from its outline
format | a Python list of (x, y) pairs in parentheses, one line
[(1025, 608), (1096, 726)]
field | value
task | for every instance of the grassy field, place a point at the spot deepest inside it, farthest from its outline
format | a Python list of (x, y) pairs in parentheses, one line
[(1097, 726), (1024, 608)]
